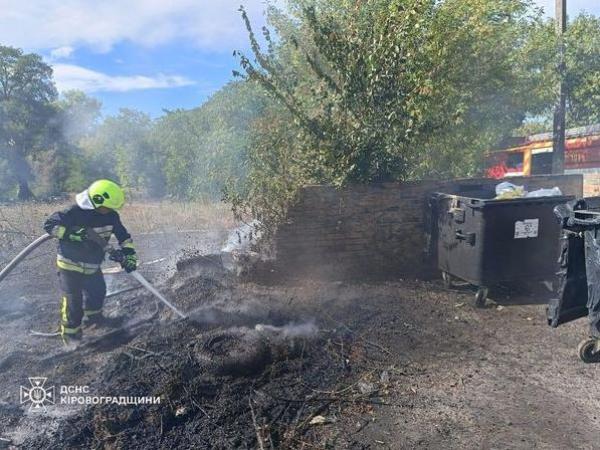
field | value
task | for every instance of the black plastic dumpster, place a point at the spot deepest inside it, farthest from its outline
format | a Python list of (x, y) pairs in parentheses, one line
[(488, 242)]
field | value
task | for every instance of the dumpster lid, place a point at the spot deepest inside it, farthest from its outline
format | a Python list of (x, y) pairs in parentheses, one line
[(476, 202), (585, 218), (587, 212)]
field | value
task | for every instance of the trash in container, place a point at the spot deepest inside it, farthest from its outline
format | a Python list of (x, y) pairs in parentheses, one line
[(506, 190)]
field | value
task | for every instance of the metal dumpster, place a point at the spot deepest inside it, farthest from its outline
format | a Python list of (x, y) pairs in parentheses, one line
[(488, 242)]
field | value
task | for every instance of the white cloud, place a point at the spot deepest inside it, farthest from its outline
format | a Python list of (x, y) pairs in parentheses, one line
[(61, 52), (212, 25), (45, 24), (69, 76)]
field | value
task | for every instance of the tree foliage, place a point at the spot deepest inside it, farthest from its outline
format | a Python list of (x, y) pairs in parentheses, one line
[(382, 90), (336, 91), (122, 149), (64, 169), (583, 70), (205, 149), (26, 112)]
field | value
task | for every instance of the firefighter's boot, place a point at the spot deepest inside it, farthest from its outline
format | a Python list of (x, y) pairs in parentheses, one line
[(70, 337), (101, 321)]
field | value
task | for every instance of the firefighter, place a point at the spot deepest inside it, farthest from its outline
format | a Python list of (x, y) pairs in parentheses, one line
[(79, 258)]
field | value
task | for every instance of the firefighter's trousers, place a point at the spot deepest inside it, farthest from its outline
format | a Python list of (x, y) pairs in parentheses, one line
[(82, 295)]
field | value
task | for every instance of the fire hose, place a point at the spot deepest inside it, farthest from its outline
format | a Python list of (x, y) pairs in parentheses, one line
[(94, 237), (21, 256)]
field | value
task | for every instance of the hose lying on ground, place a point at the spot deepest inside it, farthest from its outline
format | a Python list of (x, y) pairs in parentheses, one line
[(26, 251)]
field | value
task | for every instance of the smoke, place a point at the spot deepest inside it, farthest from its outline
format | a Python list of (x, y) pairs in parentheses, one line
[(230, 315), (251, 315), (291, 330), (79, 116)]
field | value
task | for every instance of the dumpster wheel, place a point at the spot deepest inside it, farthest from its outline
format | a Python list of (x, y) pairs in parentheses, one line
[(588, 351), (481, 296)]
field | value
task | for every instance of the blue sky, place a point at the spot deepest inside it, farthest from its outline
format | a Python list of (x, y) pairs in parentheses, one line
[(145, 54)]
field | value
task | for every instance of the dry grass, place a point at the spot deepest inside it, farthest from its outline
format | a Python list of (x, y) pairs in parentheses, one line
[(176, 216), (20, 223)]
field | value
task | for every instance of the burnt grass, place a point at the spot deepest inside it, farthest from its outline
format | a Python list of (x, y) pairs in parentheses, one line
[(222, 384), (202, 410), (402, 364)]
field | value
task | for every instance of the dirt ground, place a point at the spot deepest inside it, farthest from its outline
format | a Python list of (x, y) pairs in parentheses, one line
[(404, 364)]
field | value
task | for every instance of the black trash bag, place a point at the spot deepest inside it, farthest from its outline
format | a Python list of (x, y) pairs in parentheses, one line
[(571, 300), (592, 254)]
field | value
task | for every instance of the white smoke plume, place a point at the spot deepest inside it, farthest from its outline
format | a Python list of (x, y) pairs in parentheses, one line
[(292, 330)]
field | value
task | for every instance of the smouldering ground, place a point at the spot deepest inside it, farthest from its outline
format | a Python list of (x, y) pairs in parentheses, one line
[(394, 365), (403, 364)]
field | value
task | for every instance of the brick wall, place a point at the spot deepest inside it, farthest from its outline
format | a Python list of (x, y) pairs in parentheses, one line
[(374, 231), (591, 185)]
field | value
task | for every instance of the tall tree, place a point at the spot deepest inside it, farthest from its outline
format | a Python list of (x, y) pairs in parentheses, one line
[(583, 70), (582, 73), (27, 94), (80, 115), (389, 89)]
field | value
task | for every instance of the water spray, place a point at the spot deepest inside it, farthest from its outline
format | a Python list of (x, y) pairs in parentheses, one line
[(138, 276), (95, 237)]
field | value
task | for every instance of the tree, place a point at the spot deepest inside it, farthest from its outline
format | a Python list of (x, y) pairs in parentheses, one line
[(122, 149), (65, 165), (177, 141), (26, 111), (205, 149), (79, 115), (582, 60), (383, 90), (583, 70)]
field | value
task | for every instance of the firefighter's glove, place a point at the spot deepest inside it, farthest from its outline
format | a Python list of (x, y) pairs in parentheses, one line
[(75, 235), (130, 260), (116, 255)]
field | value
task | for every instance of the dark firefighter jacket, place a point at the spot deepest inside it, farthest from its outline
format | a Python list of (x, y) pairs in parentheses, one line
[(84, 257)]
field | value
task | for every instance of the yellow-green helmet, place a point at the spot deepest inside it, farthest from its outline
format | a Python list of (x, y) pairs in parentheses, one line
[(106, 193)]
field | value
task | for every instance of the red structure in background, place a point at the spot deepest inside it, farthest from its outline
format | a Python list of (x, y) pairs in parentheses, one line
[(532, 155)]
